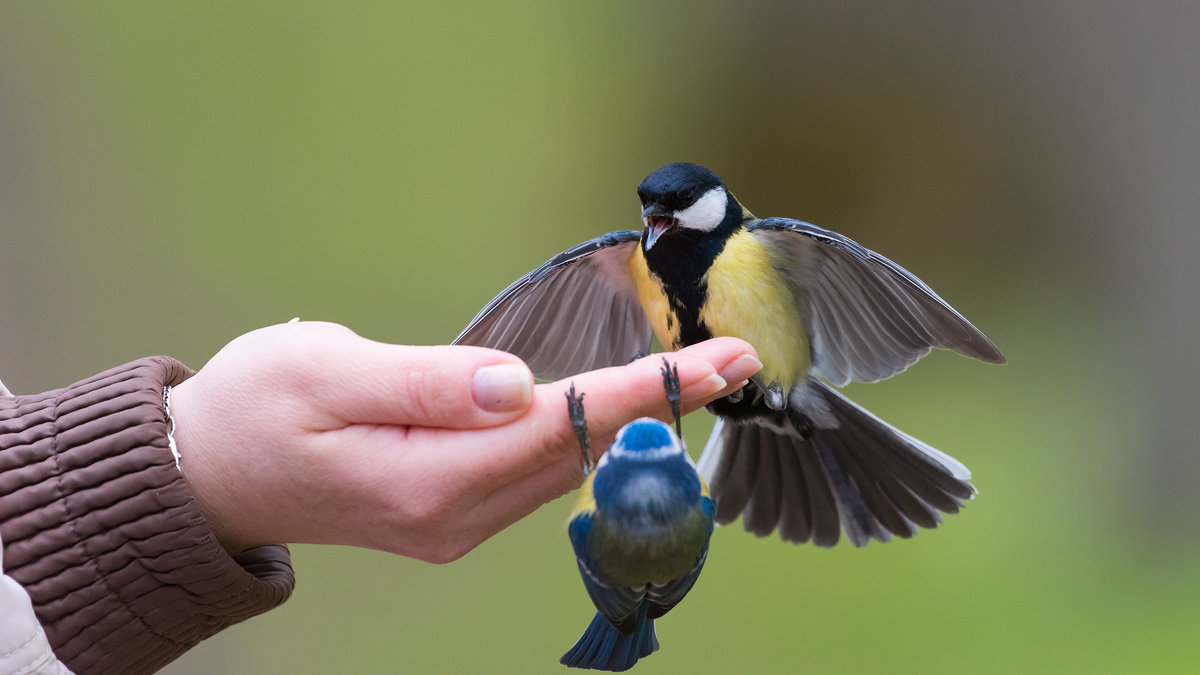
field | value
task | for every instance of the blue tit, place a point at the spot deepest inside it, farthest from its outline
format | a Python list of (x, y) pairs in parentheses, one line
[(788, 452), (640, 530)]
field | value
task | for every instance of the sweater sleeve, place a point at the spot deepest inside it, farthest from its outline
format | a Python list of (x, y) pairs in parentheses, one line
[(23, 645), (102, 531)]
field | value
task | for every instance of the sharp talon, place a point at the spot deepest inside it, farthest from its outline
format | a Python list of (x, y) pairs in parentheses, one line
[(674, 396), (579, 424), (736, 397), (775, 397)]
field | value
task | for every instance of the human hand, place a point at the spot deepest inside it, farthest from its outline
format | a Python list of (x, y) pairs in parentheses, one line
[(308, 433)]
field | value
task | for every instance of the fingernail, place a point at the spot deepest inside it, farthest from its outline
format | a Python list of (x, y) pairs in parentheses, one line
[(704, 388), (741, 368), (503, 388)]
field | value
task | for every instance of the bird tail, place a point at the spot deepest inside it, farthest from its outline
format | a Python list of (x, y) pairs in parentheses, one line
[(603, 647), (824, 464)]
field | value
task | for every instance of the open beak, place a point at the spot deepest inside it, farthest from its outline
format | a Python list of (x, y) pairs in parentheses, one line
[(657, 220)]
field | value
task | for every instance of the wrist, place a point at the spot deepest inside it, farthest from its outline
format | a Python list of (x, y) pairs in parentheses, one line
[(199, 463)]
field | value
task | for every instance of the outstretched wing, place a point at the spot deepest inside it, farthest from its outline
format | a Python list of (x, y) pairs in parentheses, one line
[(578, 311), (869, 317)]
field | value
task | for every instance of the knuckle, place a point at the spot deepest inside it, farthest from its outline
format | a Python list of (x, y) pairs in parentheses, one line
[(429, 397), (558, 442), (412, 394)]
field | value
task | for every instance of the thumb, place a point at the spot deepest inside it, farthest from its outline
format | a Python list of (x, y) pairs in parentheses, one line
[(452, 387)]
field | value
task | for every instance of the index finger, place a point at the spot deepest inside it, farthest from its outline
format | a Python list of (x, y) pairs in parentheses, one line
[(545, 463), (613, 397)]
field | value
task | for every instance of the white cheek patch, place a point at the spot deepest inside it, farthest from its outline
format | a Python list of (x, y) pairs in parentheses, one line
[(707, 212)]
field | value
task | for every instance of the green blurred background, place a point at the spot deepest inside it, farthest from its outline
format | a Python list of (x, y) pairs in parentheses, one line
[(175, 174)]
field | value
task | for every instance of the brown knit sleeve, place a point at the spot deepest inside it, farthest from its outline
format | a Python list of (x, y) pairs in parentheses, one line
[(101, 529)]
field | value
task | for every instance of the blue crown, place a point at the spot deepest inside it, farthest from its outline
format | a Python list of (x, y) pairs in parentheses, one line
[(647, 434)]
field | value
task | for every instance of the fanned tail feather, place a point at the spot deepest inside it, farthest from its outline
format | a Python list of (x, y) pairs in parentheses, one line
[(825, 465), (603, 647)]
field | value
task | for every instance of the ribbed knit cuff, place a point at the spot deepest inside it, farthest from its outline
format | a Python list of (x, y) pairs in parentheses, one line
[(102, 531)]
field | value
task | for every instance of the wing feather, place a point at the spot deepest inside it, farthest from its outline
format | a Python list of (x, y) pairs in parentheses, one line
[(578, 311), (869, 317)]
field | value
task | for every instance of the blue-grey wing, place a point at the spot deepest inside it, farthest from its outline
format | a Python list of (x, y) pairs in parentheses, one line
[(618, 605), (868, 317), (579, 311), (665, 596)]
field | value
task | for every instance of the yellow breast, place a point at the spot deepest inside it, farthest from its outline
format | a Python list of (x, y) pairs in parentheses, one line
[(749, 299), (585, 501), (654, 302)]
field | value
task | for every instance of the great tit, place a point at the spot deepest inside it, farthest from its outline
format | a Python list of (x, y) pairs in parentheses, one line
[(640, 530), (787, 452)]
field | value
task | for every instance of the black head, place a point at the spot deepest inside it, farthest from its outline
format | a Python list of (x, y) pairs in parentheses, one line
[(677, 186), (685, 197)]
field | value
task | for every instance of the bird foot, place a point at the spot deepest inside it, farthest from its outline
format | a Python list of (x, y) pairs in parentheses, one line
[(670, 375), (579, 424)]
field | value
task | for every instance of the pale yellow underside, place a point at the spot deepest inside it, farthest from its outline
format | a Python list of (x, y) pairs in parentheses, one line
[(585, 501)]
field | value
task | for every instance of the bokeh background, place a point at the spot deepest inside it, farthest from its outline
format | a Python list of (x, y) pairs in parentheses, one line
[(175, 174)]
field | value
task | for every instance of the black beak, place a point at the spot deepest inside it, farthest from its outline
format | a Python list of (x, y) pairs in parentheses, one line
[(655, 210), (658, 219)]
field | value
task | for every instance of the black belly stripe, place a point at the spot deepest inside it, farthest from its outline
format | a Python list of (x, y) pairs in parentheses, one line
[(691, 328), (680, 259)]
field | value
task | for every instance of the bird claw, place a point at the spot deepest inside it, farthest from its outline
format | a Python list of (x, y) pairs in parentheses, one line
[(670, 375), (579, 424)]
